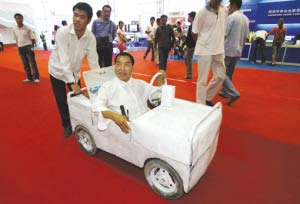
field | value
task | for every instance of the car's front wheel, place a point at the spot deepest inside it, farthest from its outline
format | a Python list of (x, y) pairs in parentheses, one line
[(163, 179), (85, 140)]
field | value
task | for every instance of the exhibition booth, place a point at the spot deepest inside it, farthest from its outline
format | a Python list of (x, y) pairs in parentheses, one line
[(288, 55), (264, 15)]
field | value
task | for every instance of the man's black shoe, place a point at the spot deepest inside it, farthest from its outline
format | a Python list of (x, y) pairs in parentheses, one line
[(209, 103), (232, 99), (68, 131), (223, 95)]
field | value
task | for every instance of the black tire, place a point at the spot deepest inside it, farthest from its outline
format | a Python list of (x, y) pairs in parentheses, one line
[(85, 140), (163, 179)]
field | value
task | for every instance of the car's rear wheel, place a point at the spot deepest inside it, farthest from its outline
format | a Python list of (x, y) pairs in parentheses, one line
[(163, 179), (85, 140)]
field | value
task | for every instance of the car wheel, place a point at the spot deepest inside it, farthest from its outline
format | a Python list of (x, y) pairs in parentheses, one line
[(163, 179), (85, 140)]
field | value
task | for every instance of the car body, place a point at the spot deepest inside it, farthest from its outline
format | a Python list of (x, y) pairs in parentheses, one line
[(175, 145)]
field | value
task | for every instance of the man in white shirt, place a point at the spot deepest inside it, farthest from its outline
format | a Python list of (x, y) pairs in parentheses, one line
[(260, 37), (237, 31), (123, 90), (150, 39), (25, 42), (208, 30), (73, 43)]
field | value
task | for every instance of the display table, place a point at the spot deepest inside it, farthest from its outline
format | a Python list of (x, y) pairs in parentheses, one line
[(288, 54)]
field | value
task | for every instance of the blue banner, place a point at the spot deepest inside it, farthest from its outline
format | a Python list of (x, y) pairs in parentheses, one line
[(268, 14), (264, 14)]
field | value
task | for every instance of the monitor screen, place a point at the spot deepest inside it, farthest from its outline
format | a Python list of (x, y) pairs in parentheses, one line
[(270, 38), (289, 38), (133, 28)]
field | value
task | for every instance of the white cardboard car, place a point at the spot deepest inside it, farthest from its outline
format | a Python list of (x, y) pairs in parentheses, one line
[(175, 145)]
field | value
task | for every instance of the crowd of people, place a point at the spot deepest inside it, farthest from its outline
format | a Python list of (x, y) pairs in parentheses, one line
[(216, 35)]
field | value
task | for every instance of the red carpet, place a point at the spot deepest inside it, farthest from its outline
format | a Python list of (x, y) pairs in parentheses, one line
[(257, 159)]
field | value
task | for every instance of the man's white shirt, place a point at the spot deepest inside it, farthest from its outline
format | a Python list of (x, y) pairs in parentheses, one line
[(211, 28), (261, 34), (133, 94), (150, 35), (23, 36), (66, 59)]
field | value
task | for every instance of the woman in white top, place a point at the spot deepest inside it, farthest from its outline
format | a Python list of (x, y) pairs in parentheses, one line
[(121, 37)]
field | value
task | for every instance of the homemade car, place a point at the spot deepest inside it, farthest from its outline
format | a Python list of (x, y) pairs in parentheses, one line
[(175, 145)]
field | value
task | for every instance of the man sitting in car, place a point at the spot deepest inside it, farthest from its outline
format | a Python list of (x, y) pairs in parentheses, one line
[(124, 91)]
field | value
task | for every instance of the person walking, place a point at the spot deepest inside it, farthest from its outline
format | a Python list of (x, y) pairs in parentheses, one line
[(237, 31), (164, 42), (156, 57), (43, 38), (189, 47), (208, 30), (105, 31), (150, 39)]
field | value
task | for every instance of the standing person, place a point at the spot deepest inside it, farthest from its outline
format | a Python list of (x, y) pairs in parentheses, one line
[(156, 58), (121, 37), (43, 38), (56, 27), (208, 30), (260, 37), (237, 31), (73, 43), (1, 43), (105, 32), (164, 41), (189, 46), (150, 38), (279, 37), (25, 41)]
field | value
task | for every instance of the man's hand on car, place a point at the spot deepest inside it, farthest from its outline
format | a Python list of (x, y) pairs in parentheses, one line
[(76, 88), (119, 119)]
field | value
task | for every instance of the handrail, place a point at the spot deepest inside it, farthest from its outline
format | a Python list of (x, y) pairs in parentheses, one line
[(217, 106)]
